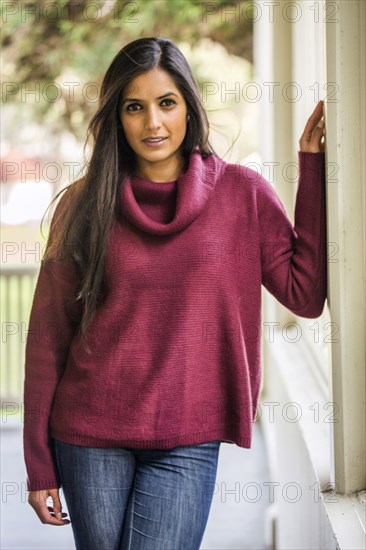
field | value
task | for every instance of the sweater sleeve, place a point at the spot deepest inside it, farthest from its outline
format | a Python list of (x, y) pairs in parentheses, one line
[(50, 332), (294, 259)]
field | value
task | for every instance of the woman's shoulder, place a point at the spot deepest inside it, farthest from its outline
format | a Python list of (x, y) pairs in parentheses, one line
[(239, 175)]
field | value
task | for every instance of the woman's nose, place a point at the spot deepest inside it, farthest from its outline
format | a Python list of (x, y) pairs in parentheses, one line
[(152, 119)]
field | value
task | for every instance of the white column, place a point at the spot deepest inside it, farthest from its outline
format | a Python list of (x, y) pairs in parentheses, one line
[(345, 124)]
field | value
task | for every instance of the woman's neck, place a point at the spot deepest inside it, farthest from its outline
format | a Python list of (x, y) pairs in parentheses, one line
[(160, 174)]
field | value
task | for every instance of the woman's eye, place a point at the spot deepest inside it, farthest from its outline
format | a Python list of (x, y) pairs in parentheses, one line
[(169, 100), (129, 107)]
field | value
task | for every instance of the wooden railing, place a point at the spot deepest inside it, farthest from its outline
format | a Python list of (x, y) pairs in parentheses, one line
[(17, 289)]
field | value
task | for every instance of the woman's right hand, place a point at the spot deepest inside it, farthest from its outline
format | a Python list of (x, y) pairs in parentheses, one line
[(48, 514)]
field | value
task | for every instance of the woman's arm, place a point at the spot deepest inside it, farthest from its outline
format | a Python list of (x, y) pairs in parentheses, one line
[(294, 259), (49, 336)]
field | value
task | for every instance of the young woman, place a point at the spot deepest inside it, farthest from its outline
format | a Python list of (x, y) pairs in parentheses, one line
[(143, 350)]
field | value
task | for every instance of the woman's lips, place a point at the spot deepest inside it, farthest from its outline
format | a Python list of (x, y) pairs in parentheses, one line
[(154, 143)]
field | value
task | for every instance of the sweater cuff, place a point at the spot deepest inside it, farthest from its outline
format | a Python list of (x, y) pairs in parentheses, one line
[(311, 159), (311, 170), (42, 484)]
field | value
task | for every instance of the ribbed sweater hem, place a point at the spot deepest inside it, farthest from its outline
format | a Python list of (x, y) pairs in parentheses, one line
[(166, 443)]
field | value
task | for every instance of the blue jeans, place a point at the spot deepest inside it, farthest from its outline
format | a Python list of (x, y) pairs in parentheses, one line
[(138, 499)]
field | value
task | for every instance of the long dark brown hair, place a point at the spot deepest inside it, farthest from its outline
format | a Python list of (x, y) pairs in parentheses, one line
[(83, 218)]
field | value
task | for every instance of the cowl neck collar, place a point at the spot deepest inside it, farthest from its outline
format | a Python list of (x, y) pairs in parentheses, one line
[(193, 189)]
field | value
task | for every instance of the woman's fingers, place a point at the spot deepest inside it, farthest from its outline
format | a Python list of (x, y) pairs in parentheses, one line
[(56, 508), (313, 120), (317, 137), (37, 499), (311, 139), (316, 144), (56, 514)]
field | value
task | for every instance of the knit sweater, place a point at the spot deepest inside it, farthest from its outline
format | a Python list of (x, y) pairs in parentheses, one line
[(175, 347)]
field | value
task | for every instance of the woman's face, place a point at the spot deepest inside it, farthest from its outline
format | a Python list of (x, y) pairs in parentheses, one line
[(145, 113)]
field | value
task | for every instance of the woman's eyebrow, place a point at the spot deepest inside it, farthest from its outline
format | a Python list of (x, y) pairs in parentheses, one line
[(136, 99)]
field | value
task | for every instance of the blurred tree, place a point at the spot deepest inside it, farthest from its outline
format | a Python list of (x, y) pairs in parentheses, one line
[(56, 52)]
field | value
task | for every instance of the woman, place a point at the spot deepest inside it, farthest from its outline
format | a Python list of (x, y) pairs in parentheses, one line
[(143, 351)]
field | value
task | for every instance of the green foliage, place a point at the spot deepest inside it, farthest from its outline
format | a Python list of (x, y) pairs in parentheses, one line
[(46, 42)]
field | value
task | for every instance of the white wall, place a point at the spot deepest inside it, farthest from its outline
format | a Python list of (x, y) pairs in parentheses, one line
[(319, 47)]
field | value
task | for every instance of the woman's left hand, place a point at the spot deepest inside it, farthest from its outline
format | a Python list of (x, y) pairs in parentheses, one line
[(312, 140)]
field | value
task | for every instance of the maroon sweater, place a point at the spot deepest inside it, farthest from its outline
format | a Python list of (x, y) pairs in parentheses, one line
[(175, 348)]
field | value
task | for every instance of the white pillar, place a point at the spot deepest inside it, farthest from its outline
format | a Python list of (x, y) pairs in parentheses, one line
[(345, 126)]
